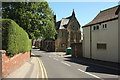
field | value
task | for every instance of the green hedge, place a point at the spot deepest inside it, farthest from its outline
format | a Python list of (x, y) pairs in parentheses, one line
[(14, 38)]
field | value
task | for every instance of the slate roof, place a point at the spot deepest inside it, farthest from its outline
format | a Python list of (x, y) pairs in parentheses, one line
[(57, 25), (118, 10), (62, 24), (103, 16)]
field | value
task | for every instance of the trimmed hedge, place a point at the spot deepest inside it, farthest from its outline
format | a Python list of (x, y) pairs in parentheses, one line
[(14, 38)]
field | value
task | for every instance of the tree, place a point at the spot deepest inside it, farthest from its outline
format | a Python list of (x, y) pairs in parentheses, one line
[(36, 18)]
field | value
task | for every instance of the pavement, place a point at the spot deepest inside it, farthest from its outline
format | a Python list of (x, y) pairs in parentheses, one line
[(28, 70)]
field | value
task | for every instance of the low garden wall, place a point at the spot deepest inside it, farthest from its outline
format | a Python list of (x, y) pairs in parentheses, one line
[(9, 65), (76, 50)]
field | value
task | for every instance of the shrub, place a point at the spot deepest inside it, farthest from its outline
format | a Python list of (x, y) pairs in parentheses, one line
[(14, 38), (36, 47)]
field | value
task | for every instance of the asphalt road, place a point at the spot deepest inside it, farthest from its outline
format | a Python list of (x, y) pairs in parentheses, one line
[(62, 67)]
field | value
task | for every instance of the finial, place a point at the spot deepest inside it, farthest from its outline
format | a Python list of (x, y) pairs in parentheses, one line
[(73, 14)]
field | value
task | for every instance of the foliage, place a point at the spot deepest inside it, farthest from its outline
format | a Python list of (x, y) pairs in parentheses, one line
[(36, 47), (14, 38), (36, 18), (0, 36)]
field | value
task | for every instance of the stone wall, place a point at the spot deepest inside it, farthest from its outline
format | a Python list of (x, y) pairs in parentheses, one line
[(61, 42)]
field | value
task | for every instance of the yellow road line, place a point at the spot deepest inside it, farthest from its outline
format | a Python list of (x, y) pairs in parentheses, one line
[(38, 70), (41, 68), (44, 69)]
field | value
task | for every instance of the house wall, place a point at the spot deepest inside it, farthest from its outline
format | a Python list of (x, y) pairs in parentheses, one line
[(86, 42), (108, 36)]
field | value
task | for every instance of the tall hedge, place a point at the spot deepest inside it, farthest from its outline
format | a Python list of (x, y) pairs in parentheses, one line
[(14, 38)]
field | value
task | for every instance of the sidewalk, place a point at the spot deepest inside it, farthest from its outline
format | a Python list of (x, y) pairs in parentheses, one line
[(60, 53), (27, 70)]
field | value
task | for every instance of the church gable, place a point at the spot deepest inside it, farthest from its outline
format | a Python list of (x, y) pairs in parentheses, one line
[(69, 21), (73, 23), (68, 32)]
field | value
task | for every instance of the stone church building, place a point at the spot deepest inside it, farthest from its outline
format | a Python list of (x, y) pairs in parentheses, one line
[(68, 30)]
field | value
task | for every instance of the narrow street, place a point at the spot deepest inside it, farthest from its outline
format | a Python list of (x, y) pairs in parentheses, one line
[(56, 66)]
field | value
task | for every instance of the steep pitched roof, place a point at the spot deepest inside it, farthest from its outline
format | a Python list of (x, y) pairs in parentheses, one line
[(103, 16), (57, 25), (62, 23), (117, 10)]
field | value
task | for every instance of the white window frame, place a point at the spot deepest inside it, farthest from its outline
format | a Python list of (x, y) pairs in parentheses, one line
[(104, 26), (95, 27)]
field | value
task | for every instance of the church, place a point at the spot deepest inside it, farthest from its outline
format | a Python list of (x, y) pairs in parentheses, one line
[(68, 32)]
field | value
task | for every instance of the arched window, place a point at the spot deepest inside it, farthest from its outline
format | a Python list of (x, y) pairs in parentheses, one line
[(71, 35), (76, 36), (62, 34), (67, 35)]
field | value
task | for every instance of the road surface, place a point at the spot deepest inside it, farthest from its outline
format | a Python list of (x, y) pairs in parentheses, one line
[(56, 66)]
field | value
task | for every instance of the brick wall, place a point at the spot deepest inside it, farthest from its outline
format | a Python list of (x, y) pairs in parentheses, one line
[(9, 65), (76, 50)]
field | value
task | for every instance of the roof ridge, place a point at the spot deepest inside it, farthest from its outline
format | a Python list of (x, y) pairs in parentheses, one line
[(100, 16), (109, 8), (63, 18)]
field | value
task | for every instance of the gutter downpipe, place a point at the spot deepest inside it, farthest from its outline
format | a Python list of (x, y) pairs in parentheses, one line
[(119, 34), (90, 42)]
